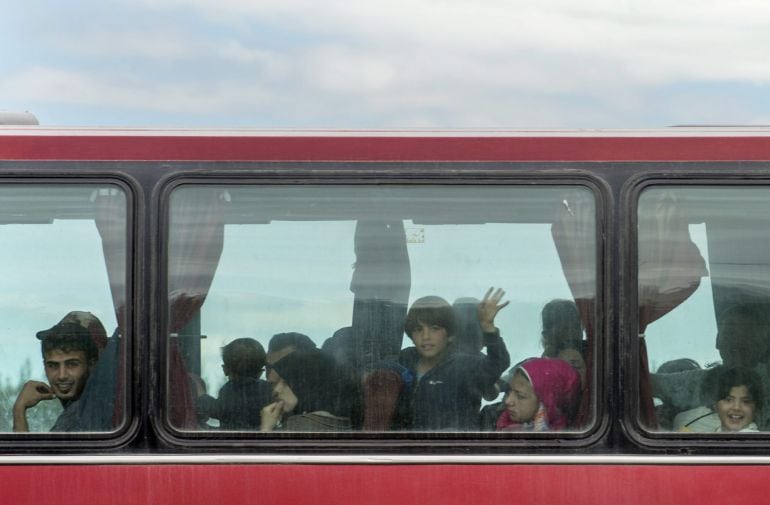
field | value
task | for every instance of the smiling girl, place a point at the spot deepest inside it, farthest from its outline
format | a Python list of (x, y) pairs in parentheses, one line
[(739, 393)]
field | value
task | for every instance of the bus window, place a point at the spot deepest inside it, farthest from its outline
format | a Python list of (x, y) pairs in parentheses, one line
[(380, 308), (704, 295), (63, 265)]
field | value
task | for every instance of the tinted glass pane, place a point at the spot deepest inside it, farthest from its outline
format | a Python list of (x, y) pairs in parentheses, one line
[(63, 265), (288, 307), (704, 284)]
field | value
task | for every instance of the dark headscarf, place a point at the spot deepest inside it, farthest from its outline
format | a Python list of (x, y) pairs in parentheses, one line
[(316, 381)]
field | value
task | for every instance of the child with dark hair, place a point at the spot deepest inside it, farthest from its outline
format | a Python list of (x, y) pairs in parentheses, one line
[(562, 335), (243, 357), (447, 387), (561, 328), (241, 399), (742, 342), (738, 400), (310, 393), (732, 402)]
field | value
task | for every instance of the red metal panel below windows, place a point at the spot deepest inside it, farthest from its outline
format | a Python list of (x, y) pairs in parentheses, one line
[(385, 484)]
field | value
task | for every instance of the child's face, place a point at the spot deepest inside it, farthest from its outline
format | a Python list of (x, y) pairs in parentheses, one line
[(522, 402), (431, 341), (736, 410)]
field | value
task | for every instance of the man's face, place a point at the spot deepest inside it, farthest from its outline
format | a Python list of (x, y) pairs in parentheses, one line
[(67, 373)]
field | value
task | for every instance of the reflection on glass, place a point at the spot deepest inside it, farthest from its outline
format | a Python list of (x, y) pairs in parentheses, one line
[(64, 272), (703, 292), (328, 280)]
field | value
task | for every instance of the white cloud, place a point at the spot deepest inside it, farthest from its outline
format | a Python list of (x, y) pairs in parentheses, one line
[(109, 42), (346, 70), (559, 24), (649, 42), (52, 85), (422, 62)]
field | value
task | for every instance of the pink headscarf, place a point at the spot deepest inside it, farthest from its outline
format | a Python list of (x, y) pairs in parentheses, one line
[(557, 386)]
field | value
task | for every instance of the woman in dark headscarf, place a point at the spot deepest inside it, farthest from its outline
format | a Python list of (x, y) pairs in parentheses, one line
[(310, 392)]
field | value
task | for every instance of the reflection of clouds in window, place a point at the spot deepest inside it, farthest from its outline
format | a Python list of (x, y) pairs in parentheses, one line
[(692, 325), (286, 274), (520, 258), (728, 225), (49, 271), (53, 262)]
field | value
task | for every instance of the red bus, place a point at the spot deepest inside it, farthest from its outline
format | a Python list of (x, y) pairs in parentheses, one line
[(640, 258)]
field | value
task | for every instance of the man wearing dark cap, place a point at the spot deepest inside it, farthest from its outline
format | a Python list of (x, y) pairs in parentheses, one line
[(70, 350)]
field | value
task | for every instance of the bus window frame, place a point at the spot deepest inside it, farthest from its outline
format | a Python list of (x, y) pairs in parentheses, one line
[(680, 175), (385, 173), (83, 173)]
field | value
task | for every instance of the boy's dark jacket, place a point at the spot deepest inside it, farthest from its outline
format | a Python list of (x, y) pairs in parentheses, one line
[(448, 396)]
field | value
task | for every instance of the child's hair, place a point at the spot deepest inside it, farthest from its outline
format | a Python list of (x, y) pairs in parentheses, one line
[(730, 378), (243, 357), (430, 310), (561, 324)]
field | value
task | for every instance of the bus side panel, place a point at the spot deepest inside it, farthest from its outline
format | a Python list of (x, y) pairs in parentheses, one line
[(384, 148), (385, 484)]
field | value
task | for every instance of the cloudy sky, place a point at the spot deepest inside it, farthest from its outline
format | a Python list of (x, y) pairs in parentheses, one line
[(394, 63)]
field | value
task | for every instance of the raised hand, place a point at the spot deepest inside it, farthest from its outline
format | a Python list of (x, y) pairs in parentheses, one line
[(489, 307)]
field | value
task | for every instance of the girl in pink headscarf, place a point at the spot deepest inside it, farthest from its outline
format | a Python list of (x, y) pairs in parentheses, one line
[(544, 394)]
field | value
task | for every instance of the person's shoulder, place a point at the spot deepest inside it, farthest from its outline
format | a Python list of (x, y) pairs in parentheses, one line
[(262, 385), (699, 419), (464, 359), (751, 428), (243, 386), (248, 384), (409, 357), (684, 376), (455, 364), (68, 419)]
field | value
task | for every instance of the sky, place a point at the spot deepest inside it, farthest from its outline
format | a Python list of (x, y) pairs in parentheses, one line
[(386, 64)]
